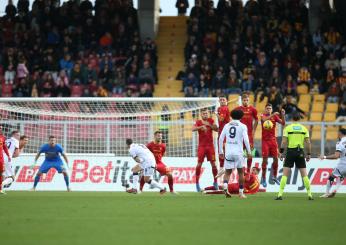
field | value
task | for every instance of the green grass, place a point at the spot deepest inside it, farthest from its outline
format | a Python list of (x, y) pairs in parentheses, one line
[(119, 218)]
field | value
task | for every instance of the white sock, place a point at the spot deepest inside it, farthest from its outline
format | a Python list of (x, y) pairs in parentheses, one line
[(338, 184), (329, 186), (154, 184), (7, 181), (225, 186), (241, 191), (135, 181)]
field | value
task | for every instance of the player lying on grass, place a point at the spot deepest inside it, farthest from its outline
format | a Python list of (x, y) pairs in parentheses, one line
[(15, 145), (158, 149), (236, 135), (339, 172), (251, 184), (146, 163), (52, 152)]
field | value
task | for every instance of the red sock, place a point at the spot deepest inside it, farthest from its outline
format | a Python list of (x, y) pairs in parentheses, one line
[(214, 169), (264, 170), (249, 163), (198, 173), (275, 166), (222, 161), (170, 183), (1, 170), (141, 183)]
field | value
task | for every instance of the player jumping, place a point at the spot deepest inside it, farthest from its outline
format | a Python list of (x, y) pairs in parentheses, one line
[(158, 149), (52, 152), (146, 163), (269, 143), (236, 136), (205, 127), (339, 173), (250, 120), (2, 162)]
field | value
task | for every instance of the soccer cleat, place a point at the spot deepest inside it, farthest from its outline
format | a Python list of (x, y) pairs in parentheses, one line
[(198, 188), (242, 196), (216, 186), (311, 198), (68, 189), (3, 192), (33, 189), (163, 191), (325, 195), (276, 181), (132, 191), (174, 193), (220, 173), (227, 194), (264, 183), (331, 195), (278, 198)]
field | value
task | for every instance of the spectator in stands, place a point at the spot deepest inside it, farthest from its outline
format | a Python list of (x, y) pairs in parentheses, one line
[(248, 84), (190, 85), (22, 70), (333, 93), (182, 6), (66, 63), (332, 39), (21, 89), (219, 82), (146, 74), (275, 98), (204, 85), (332, 62), (304, 77), (233, 83), (343, 63), (62, 90), (10, 75), (291, 108), (341, 114)]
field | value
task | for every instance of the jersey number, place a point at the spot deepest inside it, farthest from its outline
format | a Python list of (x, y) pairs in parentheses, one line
[(8, 144), (232, 132)]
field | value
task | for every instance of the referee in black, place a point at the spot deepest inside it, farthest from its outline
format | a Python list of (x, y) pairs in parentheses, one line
[(294, 137)]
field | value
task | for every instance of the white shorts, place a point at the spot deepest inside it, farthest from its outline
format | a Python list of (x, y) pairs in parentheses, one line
[(340, 171), (234, 161), (9, 171), (148, 168)]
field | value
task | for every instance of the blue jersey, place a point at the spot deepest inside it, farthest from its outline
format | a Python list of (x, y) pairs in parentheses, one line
[(52, 154)]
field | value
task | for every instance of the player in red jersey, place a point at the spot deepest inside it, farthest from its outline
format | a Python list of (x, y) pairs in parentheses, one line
[(251, 184), (2, 161), (223, 116), (269, 143), (205, 127), (158, 149), (250, 119)]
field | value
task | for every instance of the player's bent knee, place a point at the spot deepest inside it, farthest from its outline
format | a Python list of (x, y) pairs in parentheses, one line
[(331, 178)]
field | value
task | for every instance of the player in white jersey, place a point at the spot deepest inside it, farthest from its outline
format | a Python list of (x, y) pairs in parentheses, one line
[(339, 172), (13, 148), (146, 163), (236, 136)]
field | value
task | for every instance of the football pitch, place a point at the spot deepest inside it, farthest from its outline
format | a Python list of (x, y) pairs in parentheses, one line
[(190, 218)]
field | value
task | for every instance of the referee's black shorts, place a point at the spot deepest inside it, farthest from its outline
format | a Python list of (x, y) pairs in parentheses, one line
[(296, 157)]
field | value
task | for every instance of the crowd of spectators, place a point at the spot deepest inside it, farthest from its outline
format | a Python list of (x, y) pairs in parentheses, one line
[(264, 47), (75, 49)]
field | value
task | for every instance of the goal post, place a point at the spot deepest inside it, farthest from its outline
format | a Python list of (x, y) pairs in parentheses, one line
[(101, 125)]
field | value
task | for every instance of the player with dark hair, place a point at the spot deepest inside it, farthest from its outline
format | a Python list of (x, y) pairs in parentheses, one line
[(158, 149), (250, 120), (52, 152), (205, 128), (339, 172), (269, 143)]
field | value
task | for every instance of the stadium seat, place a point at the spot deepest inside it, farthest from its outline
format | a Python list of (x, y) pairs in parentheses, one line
[(317, 107), (332, 107), (252, 99), (316, 134), (332, 133), (233, 98), (305, 98), (330, 116), (319, 98), (258, 133), (316, 117), (304, 106), (302, 89)]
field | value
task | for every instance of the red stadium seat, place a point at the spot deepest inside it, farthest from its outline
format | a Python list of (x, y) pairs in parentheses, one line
[(77, 90)]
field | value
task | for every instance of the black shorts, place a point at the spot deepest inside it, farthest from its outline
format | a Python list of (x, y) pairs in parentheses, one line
[(295, 157)]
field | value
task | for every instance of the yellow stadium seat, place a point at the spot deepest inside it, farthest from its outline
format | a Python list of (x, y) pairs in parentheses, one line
[(316, 117), (252, 99), (330, 116), (332, 107), (332, 132), (316, 135), (304, 106), (258, 133), (233, 98), (317, 107), (319, 98), (302, 89), (305, 98)]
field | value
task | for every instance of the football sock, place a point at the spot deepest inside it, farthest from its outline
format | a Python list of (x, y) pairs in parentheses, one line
[(225, 184), (141, 183), (264, 170), (198, 173), (214, 170), (221, 161), (154, 184), (329, 186), (241, 189), (275, 166), (170, 183), (67, 181), (135, 179), (7, 181), (338, 184), (36, 180), (249, 163), (307, 185), (282, 185)]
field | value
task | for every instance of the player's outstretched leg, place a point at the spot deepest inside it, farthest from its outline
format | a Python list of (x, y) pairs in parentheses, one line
[(36, 180), (214, 170), (171, 183), (154, 184), (328, 186), (67, 180), (264, 172), (141, 184), (275, 167), (198, 173)]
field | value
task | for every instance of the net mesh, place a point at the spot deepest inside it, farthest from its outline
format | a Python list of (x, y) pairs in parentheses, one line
[(100, 126)]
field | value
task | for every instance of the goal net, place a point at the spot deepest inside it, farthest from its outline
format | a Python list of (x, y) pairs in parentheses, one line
[(100, 126)]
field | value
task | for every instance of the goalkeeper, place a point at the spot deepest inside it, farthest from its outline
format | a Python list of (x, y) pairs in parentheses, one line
[(52, 152)]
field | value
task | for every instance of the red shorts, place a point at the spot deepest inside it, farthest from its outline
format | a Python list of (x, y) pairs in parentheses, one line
[(162, 168), (206, 151), (269, 148)]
